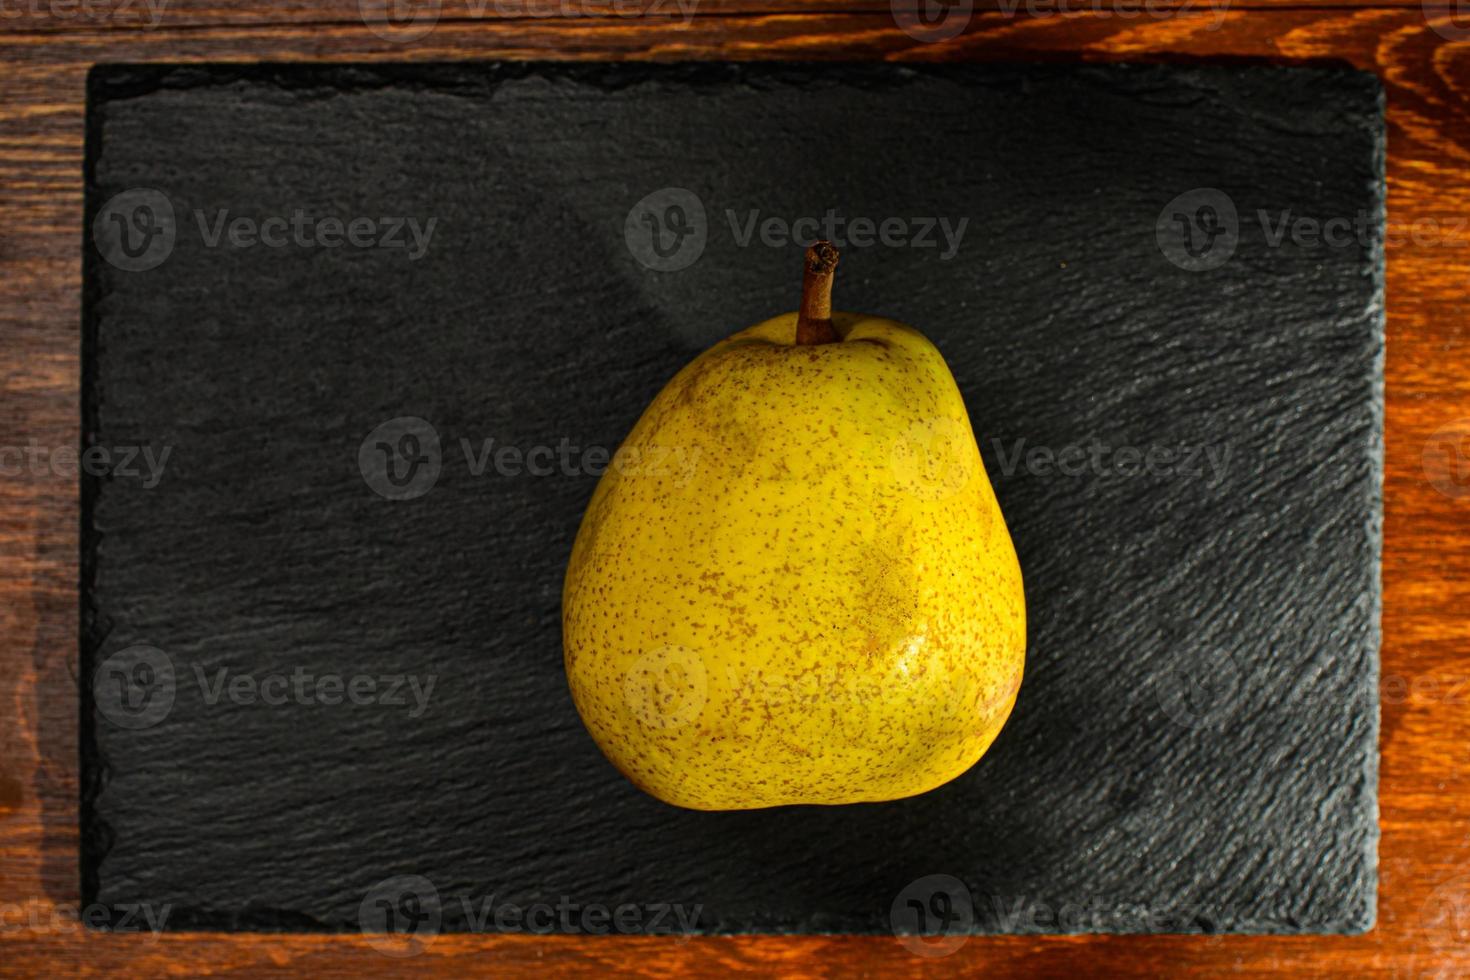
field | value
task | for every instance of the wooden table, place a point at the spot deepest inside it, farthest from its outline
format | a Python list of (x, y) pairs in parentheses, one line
[(1423, 57)]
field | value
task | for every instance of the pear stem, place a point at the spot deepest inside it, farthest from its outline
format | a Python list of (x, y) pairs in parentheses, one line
[(814, 320)]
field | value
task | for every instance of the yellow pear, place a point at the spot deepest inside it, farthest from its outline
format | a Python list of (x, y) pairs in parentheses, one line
[(793, 583)]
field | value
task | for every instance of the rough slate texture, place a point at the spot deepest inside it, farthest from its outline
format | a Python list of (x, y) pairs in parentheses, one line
[(1195, 744)]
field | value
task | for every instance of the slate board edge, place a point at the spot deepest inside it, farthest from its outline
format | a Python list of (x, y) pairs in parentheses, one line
[(1378, 317), (120, 80)]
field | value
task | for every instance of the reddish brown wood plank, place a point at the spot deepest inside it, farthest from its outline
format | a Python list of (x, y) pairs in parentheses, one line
[(1424, 913), (148, 15)]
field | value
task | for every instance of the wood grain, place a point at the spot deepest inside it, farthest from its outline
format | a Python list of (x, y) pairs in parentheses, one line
[(147, 15), (1424, 906)]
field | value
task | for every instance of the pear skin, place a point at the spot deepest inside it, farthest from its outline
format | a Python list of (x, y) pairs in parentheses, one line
[(794, 583)]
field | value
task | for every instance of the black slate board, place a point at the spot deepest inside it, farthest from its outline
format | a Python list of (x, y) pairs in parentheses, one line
[(1194, 748)]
